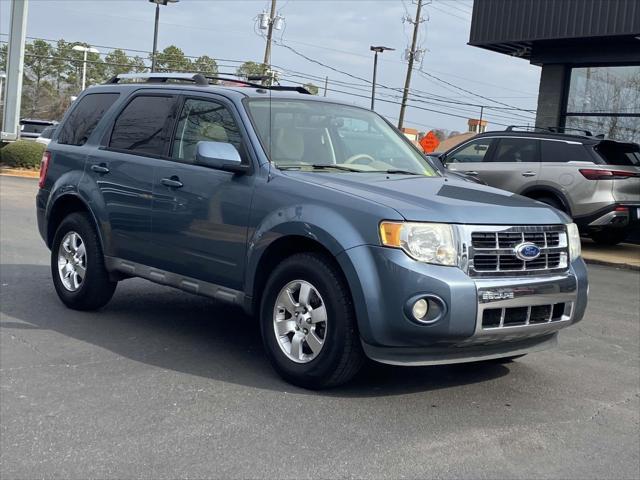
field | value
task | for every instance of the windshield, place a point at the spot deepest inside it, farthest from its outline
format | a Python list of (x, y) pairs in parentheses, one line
[(319, 136)]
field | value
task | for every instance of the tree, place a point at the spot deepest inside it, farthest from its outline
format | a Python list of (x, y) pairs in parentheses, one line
[(3, 57), (37, 66), (206, 66), (313, 90), (251, 69), (60, 65), (172, 59), (117, 62)]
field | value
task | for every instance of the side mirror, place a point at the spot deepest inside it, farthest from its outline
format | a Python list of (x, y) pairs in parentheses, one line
[(219, 155), (438, 159)]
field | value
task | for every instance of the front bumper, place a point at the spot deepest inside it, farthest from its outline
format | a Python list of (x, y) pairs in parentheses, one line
[(386, 280)]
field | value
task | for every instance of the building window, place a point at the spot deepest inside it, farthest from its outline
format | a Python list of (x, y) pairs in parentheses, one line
[(605, 100)]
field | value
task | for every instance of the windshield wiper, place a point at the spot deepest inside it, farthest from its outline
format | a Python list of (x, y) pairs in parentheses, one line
[(402, 172), (319, 166)]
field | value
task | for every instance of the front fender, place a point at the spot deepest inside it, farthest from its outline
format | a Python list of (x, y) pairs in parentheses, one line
[(323, 225)]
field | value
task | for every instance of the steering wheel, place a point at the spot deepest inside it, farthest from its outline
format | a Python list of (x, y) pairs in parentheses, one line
[(355, 159)]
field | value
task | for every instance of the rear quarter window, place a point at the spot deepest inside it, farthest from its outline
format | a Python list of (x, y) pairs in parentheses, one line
[(618, 153), (84, 117)]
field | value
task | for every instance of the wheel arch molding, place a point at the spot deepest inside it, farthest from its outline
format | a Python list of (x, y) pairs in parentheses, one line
[(537, 191)]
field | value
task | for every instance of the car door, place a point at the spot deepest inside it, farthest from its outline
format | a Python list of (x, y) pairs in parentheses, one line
[(123, 171), (513, 164), (200, 214), (471, 158)]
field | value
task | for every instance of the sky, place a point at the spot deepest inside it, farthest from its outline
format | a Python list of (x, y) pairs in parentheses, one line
[(336, 33)]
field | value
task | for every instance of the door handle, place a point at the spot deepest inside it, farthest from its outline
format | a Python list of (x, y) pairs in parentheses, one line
[(102, 168), (471, 172), (173, 182), (529, 174)]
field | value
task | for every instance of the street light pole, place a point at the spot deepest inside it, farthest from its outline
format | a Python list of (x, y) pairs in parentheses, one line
[(155, 30), (375, 71), (155, 39), (86, 50)]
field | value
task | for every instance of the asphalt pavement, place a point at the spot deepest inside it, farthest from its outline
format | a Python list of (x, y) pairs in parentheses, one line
[(162, 384)]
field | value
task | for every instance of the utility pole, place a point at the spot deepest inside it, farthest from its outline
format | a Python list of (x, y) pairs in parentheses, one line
[(326, 82), (480, 122), (267, 48), (15, 70), (412, 53)]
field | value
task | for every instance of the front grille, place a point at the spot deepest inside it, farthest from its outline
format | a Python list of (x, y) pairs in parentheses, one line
[(493, 253), (523, 316)]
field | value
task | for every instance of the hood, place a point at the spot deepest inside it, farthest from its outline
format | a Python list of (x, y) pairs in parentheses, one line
[(438, 199)]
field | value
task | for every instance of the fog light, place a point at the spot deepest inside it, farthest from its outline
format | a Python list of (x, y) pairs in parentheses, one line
[(420, 309)]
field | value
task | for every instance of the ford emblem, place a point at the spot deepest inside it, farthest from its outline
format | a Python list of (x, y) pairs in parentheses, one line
[(527, 251)]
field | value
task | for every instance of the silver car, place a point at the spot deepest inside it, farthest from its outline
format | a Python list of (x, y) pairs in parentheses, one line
[(595, 181)]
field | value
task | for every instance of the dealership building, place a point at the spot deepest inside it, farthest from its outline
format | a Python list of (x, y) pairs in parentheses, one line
[(589, 51)]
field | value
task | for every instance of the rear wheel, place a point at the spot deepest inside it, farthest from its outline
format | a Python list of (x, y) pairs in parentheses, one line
[(308, 323), (612, 236), (77, 265)]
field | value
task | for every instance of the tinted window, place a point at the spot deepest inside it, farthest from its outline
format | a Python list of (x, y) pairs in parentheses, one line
[(563, 152), (84, 117), (517, 150), (615, 153), (33, 127), (143, 124), (48, 132), (203, 121), (474, 151)]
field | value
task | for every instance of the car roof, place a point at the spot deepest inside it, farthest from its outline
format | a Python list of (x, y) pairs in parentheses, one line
[(229, 91), (541, 133)]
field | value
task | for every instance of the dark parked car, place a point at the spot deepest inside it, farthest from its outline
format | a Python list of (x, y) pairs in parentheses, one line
[(594, 180), (320, 218), (30, 129)]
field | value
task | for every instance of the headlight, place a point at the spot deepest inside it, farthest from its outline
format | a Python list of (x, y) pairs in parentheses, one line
[(425, 242), (575, 247)]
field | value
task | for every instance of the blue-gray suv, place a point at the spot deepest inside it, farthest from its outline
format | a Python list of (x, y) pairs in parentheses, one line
[(318, 217)]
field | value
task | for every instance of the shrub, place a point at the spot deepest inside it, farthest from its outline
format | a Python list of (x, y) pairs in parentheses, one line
[(22, 153)]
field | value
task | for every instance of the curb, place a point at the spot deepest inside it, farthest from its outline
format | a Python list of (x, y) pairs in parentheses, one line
[(624, 266), (32, 176)]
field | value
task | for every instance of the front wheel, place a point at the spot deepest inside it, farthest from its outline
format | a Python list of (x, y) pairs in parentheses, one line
[(308, 323), (77, 265)]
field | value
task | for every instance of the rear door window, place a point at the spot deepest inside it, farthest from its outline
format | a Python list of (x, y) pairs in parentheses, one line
[(558, 152), (84, 117), (472, 152), (618, 153), (143, 126), (517, 150)]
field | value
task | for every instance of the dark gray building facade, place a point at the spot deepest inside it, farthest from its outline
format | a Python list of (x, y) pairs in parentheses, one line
[(589, 51)]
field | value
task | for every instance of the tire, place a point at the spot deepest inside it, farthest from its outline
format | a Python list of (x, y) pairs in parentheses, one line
[(340, 356), (553, 202), (611, 236), (86, 284)]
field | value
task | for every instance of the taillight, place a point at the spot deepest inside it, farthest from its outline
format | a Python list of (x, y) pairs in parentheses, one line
[(44, 166), (594, 174)]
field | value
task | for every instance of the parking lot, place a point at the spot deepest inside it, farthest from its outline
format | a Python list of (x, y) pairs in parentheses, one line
[(161, 384)]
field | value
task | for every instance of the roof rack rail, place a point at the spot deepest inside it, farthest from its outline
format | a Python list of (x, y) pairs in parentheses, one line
[(512, 128), (586, 133), (196, 78), (251, 82), (200, 79)]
